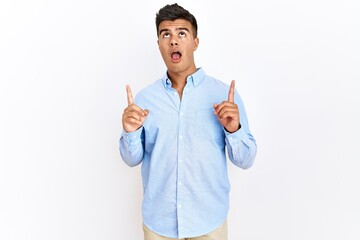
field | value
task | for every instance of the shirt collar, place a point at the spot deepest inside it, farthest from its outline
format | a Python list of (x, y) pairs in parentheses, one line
[(195, 78)]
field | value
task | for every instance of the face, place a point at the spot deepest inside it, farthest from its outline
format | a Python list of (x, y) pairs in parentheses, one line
[(177, 45)]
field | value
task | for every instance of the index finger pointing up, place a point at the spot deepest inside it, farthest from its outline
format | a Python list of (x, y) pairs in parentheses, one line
[(231, 91), (129, 95)]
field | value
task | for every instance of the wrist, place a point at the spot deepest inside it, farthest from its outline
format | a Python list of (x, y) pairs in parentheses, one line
[(233, 130)]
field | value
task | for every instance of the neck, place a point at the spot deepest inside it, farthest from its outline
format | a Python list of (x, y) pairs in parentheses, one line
[(178, 79)]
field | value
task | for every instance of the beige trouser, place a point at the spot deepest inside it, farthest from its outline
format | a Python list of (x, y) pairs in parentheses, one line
[(220, 233)]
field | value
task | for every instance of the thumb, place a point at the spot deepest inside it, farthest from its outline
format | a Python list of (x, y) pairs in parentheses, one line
[(146, 112)]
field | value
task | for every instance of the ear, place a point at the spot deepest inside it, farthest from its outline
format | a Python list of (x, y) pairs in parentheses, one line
[(196, 43)]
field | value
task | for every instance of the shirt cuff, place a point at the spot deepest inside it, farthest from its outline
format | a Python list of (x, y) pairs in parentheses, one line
[(239, 134), (132, 137)]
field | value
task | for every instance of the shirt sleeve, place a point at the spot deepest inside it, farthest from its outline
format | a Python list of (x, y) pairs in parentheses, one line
[(241, 148), (241, 145), (131, 147)]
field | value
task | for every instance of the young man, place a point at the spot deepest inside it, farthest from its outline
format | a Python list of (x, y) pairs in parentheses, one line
[(178, 128)]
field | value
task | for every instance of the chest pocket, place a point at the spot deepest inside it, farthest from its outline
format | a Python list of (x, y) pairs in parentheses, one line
[(208, 126)]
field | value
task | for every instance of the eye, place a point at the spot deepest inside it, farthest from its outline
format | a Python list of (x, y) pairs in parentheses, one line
[(166, 35), (182, 34)]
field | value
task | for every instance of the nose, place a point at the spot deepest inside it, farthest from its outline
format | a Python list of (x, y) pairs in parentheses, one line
[(173, 42)]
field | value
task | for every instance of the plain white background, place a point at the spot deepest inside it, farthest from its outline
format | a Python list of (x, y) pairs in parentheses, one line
[(63, 70)]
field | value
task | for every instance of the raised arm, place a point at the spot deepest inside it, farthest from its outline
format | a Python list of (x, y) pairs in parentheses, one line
[(131, 140)]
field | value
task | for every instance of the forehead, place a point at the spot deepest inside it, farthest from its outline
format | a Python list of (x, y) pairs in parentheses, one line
[(175, 24)]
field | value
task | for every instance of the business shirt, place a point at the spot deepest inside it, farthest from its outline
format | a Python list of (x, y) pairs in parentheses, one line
[(181, 146)]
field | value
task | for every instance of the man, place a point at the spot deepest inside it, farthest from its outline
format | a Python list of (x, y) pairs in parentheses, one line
[(178, 128)]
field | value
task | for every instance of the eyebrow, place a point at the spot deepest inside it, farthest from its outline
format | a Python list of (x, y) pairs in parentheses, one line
[(177, 29)]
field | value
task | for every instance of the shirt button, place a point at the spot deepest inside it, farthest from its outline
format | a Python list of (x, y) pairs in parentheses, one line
[(181, 114), (180, 160), (179, 205), (180, 136), (175, 93), (180, 183)]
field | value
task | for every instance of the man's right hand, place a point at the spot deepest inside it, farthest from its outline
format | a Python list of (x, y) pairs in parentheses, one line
[(133, 117)]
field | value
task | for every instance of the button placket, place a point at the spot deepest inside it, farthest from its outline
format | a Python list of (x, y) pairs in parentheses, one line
[(181, 150), (180, 205)]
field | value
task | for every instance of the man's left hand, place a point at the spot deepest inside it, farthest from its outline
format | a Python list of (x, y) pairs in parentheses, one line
[(227, 112)]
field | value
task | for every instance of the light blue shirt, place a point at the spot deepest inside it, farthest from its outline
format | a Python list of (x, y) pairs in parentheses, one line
[(182, 150)]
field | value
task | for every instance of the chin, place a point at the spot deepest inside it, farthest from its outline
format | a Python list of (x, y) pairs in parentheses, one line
[(174, 67)]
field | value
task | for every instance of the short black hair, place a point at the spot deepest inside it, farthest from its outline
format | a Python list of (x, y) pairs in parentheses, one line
[(173, 12)]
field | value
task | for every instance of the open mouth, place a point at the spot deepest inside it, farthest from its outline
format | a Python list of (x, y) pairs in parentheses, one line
[(175, 56)]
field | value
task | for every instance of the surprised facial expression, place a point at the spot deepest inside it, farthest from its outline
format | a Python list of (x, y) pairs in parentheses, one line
[(177, 45)]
